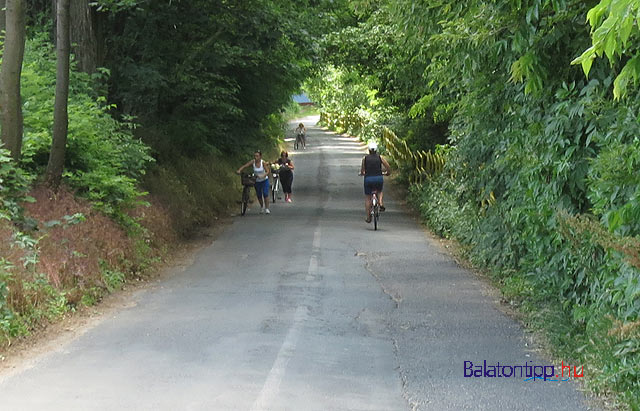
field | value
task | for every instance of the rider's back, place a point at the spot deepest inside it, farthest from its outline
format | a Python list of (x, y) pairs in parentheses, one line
[(373, 165)]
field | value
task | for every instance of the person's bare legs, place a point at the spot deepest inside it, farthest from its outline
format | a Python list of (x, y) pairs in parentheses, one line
[(367, 206)]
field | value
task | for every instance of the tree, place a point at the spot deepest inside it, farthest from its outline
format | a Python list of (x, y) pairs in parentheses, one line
[(11, 110), (203, 69), (60, 114), (86, 35)]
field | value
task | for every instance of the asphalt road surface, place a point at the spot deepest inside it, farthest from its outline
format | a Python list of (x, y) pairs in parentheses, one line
[(304, 309)]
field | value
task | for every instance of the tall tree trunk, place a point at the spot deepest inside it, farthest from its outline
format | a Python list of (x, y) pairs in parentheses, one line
[(10, 101), (85, 36), (60, 114)]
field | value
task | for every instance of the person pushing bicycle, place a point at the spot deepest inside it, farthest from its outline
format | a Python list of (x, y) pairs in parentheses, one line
[(301, 135), (371, 169), (261, 170), (286, 174)]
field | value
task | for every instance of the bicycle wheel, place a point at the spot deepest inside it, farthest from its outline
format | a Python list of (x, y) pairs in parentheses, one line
[(274, 189), (279, 187), (375, 210), (245, 200), (375, 217)]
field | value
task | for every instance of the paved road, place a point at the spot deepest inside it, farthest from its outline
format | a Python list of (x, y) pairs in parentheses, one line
[(304, 309)]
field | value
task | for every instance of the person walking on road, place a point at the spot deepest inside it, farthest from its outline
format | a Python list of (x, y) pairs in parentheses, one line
[(261, 170), (371, 168), (286, 174)]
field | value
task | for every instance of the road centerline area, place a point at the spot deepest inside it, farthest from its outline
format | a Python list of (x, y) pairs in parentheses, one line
[(272, 383)]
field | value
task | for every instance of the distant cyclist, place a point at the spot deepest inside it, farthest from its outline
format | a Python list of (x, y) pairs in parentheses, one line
[(261, 170), (301, 135), (372, 170)]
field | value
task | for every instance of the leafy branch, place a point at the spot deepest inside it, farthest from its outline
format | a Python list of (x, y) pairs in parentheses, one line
[(614, 24)]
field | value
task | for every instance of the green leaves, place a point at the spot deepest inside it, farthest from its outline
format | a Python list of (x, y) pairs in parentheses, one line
[(14, 184), (528, 68), (115, 5), (614, 24), (104, 161), (630, 71), (207, 74)]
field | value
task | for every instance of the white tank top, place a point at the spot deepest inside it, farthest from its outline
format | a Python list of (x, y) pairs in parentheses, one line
[(259, 170)]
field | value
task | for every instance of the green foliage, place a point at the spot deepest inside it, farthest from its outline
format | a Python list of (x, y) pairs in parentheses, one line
[(208, 74), (14, 183), (7, 318), (341, 91), (91, 297), (115, 5), (614, 33), (103, 161), (113, 279), (614, 183)]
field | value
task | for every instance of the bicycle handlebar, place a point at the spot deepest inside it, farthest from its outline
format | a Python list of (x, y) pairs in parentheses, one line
[(386, 173)]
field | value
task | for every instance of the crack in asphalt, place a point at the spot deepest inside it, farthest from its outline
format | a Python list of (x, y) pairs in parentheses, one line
[(397, 299)]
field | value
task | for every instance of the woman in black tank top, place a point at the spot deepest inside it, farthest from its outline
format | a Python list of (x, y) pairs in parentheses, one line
[(373, 164), (372, 170), (286, 174)]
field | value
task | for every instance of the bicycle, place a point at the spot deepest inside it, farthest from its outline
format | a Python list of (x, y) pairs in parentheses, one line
[(300, 140), (374, 213), (276, 186), (248, 181), (375, 208)]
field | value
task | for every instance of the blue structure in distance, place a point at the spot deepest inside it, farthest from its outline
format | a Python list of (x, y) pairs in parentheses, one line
[(302, 99)]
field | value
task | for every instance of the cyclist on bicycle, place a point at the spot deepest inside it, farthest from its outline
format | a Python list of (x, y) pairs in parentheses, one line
[(301, 135), (372, 170), (261, 170)]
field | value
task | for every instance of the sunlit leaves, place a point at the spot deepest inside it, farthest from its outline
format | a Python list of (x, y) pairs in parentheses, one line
[(115, 5), (528, 68), (630, 71), (614, 24)]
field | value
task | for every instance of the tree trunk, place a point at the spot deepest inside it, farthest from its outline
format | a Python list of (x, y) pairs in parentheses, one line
[(60, 114), (10, 101), (85, 36)]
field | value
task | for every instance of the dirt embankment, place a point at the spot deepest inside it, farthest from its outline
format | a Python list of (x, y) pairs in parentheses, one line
[(75, 265)]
